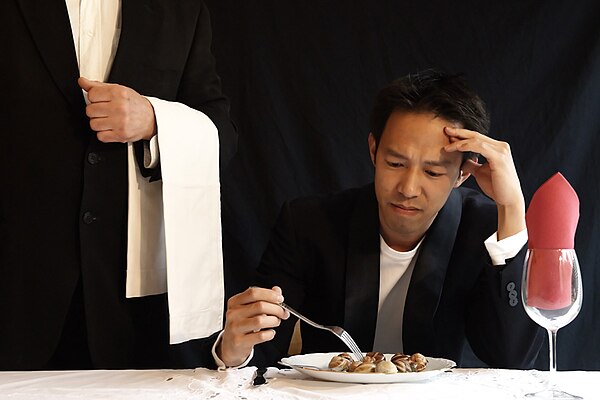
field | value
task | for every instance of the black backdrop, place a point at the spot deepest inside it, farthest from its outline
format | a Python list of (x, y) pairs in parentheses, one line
[(302, 75)]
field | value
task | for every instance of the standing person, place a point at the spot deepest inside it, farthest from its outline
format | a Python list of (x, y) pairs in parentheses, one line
[(410, 263), (83, 244)]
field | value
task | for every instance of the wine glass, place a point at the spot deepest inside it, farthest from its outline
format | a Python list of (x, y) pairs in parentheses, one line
[(552, 295)]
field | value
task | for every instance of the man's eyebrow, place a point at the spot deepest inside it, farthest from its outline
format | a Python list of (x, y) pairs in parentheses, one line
[(438, 163), (433, 163), (394, 153)]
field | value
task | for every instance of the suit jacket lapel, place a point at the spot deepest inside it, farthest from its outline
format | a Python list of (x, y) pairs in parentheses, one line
[(428, 278), (49, 24), (148, 38), (362, 270), (137, 17)]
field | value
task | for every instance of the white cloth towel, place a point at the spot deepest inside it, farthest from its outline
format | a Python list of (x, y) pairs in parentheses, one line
[(174, 227)]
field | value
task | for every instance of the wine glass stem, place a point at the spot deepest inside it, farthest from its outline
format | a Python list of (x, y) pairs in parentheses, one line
[(552, 344)]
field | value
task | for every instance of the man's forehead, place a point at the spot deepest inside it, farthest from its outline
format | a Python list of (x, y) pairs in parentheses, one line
[(441, 158), (407, 133)]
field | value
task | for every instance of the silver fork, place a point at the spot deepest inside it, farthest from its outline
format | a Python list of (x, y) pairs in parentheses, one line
[(336, 330)]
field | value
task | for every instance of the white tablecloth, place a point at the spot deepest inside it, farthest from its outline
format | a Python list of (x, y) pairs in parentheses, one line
[(463, 384)]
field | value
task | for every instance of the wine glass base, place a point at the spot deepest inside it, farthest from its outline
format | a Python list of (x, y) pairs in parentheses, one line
[(552, 394)]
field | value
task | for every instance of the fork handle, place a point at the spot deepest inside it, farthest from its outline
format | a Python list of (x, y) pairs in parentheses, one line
[(348, 341), (302, 317)]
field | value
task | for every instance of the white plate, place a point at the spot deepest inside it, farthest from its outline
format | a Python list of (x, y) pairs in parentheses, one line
[(320, 361)]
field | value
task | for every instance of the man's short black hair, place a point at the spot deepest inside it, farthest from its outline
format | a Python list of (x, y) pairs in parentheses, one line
[(431, 91)]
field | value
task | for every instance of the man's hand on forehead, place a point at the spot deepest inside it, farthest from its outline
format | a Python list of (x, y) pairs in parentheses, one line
[(497, 178)]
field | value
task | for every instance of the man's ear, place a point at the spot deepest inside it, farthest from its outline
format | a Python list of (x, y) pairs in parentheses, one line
[(470, 164), (462, 176), (372, 147)]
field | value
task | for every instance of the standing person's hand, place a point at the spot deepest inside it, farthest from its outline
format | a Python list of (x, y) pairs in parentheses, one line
[(250, 317), (497, 178), (118, 113)]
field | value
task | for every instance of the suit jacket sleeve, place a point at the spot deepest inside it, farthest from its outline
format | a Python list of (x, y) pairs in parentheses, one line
[(281, 265), (278, 266), (501, 333)]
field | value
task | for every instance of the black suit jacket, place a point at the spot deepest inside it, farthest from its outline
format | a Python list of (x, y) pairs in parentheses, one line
[(63, 199), (324, 253)]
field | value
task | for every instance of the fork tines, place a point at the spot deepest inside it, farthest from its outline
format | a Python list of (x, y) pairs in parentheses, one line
[(352, 344)]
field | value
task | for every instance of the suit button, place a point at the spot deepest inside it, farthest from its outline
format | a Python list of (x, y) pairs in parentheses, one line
[(93, 158), (512, 294), (88, 218)]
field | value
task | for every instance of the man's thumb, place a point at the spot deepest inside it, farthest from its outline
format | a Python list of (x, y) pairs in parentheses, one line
[(87, 84)]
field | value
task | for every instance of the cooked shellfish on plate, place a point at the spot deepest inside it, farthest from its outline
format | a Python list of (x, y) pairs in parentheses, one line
[(316, 365)]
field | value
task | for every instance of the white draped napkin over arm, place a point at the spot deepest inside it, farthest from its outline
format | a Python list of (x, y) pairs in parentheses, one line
[(174, 227)]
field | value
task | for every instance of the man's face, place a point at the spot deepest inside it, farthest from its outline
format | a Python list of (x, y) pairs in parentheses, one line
[(413, 175)]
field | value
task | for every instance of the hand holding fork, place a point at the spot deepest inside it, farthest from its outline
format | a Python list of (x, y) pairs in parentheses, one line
[(251, 317)]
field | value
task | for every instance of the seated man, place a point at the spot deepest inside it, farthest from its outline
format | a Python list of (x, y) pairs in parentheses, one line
[(411, 263)]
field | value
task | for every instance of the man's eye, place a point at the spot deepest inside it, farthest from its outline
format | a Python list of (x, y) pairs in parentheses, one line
[(433, 174), (394, 164)]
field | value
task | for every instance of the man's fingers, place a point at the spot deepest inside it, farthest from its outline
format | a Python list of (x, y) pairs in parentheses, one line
[(248, 340), (476, 144), (246, 326), (455, 134), (254, 294), (466, 140), (277, 290), (109, 136), (254, 324), (253, 310), (261, 336), (256, 308), (250, 319), (460, 133), (102, 109), (458, 138), (241, 344), (100, 124)]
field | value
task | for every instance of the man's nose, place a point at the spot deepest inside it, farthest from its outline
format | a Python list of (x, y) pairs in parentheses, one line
[(409, 184)]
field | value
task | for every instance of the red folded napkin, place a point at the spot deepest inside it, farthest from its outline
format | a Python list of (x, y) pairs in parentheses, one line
[(551, 220), (552, 215)]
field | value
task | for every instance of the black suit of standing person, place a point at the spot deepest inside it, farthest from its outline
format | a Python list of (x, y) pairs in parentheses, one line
[(63, 197), (401, 264)]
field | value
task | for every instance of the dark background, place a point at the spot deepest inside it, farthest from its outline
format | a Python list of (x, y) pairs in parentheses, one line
[(302, 75)]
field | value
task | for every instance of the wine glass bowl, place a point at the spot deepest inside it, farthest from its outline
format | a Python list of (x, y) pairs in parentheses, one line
[(552, 289), (552, 295)]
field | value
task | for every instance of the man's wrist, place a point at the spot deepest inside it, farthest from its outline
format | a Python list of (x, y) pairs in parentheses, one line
[(152, 129), (224, 364), (511, 219)]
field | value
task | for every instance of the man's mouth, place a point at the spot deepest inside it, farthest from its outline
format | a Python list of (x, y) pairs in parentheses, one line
[(405, 208)]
